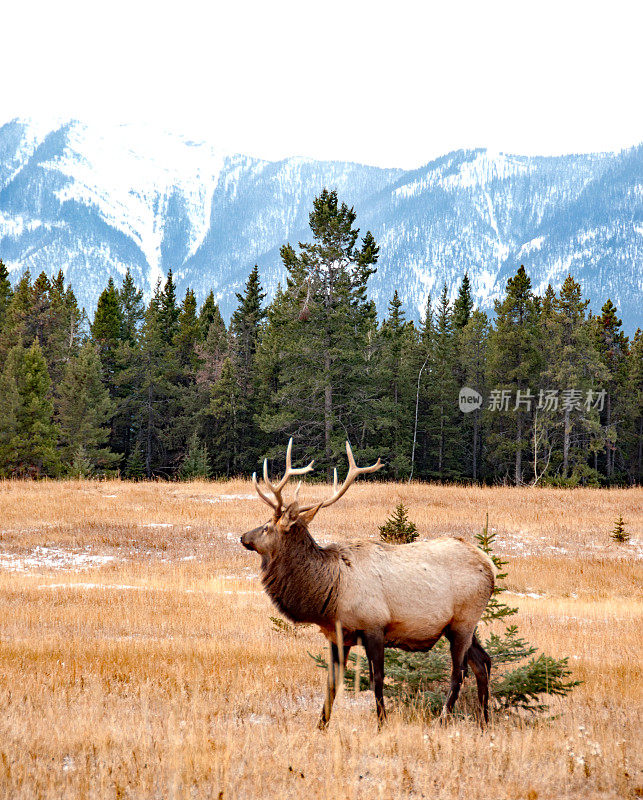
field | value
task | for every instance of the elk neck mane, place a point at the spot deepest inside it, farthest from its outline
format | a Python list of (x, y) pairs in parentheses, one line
[(302, 578)]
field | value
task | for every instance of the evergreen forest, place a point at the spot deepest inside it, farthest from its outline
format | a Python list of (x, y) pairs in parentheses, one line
[(168, 390)]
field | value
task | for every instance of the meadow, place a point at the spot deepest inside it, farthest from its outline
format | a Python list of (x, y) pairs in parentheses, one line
[(138, 659)]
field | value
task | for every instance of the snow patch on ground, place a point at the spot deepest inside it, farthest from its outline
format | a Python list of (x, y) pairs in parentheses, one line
[(156, 525), (226, 498), (52, 558)]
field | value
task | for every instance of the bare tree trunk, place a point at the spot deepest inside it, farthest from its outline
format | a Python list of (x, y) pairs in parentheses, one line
[(608, 444), (441, 449), (328, 416), (566, 444), (415, 427), (475, 445), (518, 476), (148, 442)]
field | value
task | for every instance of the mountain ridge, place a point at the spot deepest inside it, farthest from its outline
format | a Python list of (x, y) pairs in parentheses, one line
[(97, 201)]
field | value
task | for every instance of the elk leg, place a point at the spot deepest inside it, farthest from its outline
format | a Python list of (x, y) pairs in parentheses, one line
[(331, 684), (481, 666), (374, 644), (459, 646)]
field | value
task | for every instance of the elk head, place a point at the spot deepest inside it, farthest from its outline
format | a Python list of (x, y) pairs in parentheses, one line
[(287, 518)]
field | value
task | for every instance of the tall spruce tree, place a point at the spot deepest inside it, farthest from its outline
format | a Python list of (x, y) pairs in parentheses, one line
[(154, 376), (513, 366), (613, 349), (463, 305), (245, 330), (5, 292), (168, 310), (29, 440), (123, 382), (106, 330), (394, 408), (131, 308), (15, 324), (223, 422), (634, 435), (83, 413), (207, 315), (472, 344), (572, 366), (324, 342), (442, 388), (212, 353)]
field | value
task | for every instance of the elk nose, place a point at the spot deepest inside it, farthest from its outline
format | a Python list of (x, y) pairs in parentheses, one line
[(245, 542)]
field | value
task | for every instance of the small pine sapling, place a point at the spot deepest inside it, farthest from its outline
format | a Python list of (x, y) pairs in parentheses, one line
[(620, 534), (398, 529)]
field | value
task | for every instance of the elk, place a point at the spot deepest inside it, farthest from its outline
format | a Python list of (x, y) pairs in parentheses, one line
[(404, 595)]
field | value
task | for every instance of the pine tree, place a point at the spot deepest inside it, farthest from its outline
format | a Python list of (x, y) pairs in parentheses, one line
[(572, 364), (443, 394), (39, 319), (463, 305), (472, 345), (207, 315), (392, 413), (187, 337), (633, 435), (9, 408), (83, 413), (324, 322), (613, 347), (245, 330), (196, 462), (106, 332), (513, 366), (154, 374), (132, 311), (29, 441), (223, 422), (168, 310), (398, 529), (135, 464), (5, 292), (127, 365), (620, 534), (63, 329), (16, 318)]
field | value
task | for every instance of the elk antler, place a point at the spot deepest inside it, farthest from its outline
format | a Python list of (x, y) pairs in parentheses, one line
[(276, 490), (353, 472)]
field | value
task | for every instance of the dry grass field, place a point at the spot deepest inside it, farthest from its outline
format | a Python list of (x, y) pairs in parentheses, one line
[(137, 658)]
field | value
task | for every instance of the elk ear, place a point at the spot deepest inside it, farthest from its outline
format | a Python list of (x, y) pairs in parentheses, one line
[(289, 517), (307, 517)]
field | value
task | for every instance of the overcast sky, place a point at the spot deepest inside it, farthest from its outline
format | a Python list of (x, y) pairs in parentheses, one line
[(393, 84)]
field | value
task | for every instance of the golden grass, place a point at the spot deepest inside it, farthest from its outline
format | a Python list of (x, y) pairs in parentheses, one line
[(137, 659)]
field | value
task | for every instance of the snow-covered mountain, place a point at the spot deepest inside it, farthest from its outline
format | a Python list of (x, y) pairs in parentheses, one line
[(94, 201)]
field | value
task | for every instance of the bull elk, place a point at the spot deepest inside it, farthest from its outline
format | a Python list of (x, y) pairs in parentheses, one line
[(405, 596)]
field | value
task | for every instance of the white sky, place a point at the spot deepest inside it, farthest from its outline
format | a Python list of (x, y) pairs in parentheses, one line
[(393, 83)]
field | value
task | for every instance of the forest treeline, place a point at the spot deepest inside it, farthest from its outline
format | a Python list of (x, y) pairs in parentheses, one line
[(168, 390)]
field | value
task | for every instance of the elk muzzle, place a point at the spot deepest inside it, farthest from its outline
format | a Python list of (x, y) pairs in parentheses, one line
[(248, 538)]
